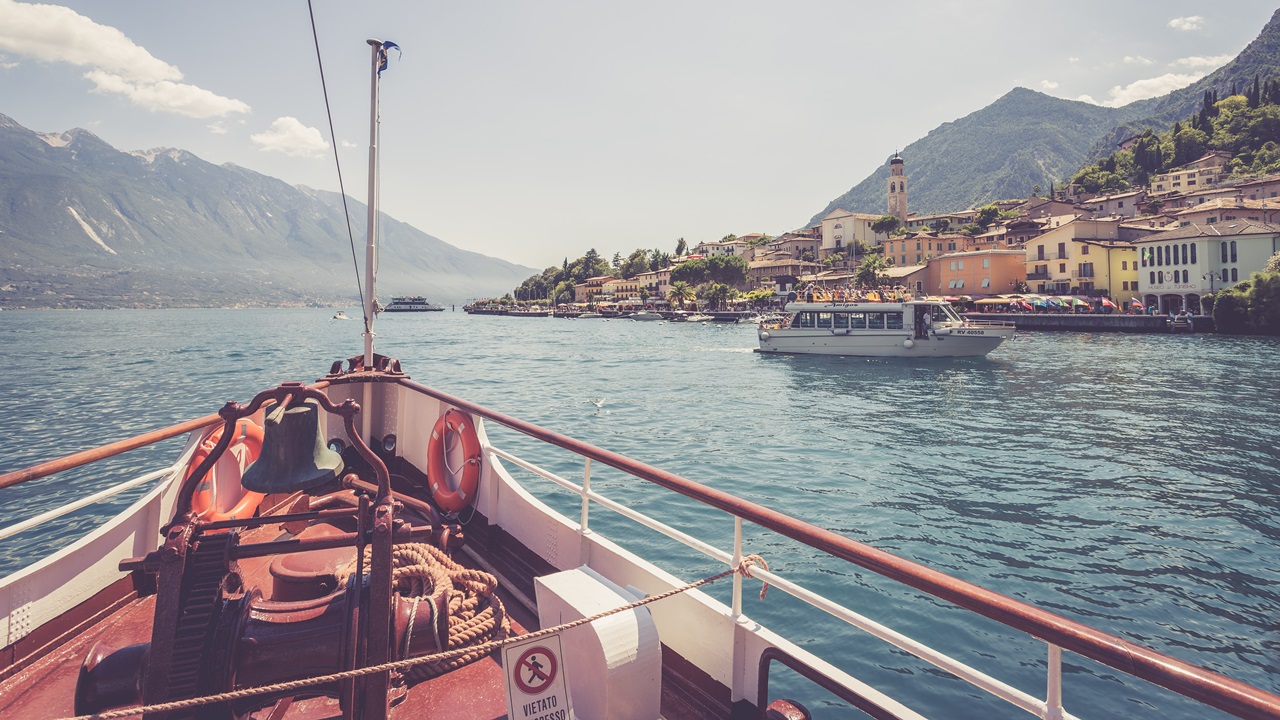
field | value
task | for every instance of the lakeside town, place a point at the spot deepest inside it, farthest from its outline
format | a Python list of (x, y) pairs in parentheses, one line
[(1157, 249)]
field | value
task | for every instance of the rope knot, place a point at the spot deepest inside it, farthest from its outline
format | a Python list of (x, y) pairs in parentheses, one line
[(744, 567)]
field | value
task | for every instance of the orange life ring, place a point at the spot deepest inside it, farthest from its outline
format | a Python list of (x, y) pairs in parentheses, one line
[(438, 470), (240, 454)]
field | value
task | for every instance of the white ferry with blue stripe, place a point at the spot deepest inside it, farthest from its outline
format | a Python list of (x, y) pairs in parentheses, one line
[(919, 328)]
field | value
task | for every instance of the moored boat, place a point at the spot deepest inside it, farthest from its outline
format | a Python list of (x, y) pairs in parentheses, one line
[(645, 315), (412, 303), (362, 546), (918, 328)]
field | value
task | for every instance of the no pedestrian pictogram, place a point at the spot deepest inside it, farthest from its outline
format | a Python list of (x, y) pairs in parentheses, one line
[(535, 670), (537, 680)]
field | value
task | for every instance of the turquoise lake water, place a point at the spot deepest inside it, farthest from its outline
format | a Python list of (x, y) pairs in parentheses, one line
[(1126, 481)]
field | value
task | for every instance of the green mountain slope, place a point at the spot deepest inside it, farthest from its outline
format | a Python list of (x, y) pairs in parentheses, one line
[(1026, 138), (1023, 139)]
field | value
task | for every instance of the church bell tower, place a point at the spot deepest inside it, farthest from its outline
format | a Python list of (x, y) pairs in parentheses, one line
[(897, 189)]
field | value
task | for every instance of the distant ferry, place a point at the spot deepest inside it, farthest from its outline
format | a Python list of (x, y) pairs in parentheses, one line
[(922, 328), (412, 303)]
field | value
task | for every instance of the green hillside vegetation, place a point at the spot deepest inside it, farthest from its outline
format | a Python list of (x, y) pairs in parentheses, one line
[(1250, 307), (1246, 125)]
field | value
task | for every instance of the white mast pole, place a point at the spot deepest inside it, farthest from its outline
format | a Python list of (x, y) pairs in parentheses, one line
[(370, 248)]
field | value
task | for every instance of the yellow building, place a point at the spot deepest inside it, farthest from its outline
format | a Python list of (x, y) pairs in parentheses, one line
[(1083, 257)]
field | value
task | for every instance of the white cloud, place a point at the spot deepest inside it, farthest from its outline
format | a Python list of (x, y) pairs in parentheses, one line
[(1193, 22), (1138, 60), (1073, 60), (8, 65), (1048, 85), (1200, 61), (218, 128), (347, 144), (289, 136), (51, 33), (1143, 89)]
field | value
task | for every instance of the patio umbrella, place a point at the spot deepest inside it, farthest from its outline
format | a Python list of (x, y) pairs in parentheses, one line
[(1138, 304), (1106, 302), (1079, 303), (1055, 302)]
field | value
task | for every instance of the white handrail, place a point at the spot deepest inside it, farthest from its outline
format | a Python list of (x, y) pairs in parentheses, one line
[(73, 506), (1049, 708)]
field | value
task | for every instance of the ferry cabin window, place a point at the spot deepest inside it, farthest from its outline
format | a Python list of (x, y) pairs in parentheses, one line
[(824, 320), (875, 321), (893, 320), (841, 321), (806, 319), (858, 321)]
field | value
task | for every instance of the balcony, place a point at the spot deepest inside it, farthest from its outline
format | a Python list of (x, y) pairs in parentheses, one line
[(1038, 276)]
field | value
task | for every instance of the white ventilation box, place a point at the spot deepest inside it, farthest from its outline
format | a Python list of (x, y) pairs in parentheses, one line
[(614, 665)]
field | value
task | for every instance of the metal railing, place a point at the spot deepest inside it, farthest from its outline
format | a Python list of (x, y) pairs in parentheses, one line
[(1057, 632)]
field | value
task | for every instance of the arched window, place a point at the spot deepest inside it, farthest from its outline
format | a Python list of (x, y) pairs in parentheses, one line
[(1160, 277), (893, 187), (1184, 272), (1224, 273), (1233, 251), (1184, 253), (1234, 275), (1224, 251), (1153, 277), (1193, 253)]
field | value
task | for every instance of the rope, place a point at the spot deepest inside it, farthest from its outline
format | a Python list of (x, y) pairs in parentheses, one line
[(441, 657)]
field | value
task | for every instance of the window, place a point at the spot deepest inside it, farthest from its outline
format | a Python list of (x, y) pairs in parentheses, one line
[(1184, 276), (1040, 252), (806, 319), (1120, 204), (1234, 276), (858, 321), (1224, 252), (1213, 219), (918, 256), (1224, 274), (1153, 277), (893, 320), (986, 262), (1086, 270), (1084, 249), (1233, 251), (962, 262), (1062, 249), (953, 264), (917, 244), (1193, 253), (838, 226), (875, 321), (824, 320), (1124, 264), (1124, 284), (1062, 267), (952, 284), (986, 282), (1184, 253), (893, 187), (1160, 277), (841, 321)]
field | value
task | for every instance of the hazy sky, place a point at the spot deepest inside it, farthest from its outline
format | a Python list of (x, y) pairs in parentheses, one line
[(534, 131)]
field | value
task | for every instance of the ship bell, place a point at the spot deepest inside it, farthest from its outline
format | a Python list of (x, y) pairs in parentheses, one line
[(294, 455)]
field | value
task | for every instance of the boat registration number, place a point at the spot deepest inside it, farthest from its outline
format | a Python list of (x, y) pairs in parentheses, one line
[(968, 332)]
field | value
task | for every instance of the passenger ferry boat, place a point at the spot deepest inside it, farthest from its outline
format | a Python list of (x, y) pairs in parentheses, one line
[(910, 328), (412, 303), (360, 547)]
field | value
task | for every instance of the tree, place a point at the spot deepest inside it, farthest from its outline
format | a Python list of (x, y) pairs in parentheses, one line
[(727, 270), (636, 263), (564, 292), (1273, 265), (885, 225), (871, 271), (644, 295), (987, 214), (681, 247), (713, 294), (692, 271), (659, 260), (680, 293)]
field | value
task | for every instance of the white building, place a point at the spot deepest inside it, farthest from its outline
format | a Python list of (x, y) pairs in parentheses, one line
[(1178, 267), (842, 229)]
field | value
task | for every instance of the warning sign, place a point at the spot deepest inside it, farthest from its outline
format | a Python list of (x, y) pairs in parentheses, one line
[(537, 688)]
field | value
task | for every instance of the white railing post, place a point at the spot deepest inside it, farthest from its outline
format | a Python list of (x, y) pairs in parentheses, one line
[(1053, 698), (586, 492), (737, 560)]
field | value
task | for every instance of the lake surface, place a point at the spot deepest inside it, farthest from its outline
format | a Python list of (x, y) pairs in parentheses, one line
[(1126, 481)]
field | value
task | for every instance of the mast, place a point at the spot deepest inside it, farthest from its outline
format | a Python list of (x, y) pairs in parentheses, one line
[(371, 240)]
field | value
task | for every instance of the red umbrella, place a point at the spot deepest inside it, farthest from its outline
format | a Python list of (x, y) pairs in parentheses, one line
[(1106, 302)]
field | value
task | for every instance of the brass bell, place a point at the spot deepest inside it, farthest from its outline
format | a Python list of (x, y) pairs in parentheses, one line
[(294, 455)]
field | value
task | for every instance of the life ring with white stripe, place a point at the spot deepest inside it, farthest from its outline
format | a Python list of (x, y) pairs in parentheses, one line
[(224, 476), (440, 475)]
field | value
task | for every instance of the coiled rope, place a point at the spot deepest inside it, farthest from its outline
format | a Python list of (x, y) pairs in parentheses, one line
[(743, 567), (476, 615)]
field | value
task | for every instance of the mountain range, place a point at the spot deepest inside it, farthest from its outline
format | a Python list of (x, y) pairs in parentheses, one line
[(83, 224), (1027, 138)]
